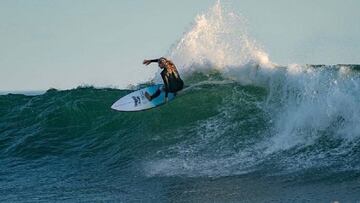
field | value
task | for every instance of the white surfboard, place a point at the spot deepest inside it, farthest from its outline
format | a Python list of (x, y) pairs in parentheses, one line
[(136, 101)]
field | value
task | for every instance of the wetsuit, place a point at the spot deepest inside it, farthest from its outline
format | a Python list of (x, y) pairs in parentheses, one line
[(172, 81)]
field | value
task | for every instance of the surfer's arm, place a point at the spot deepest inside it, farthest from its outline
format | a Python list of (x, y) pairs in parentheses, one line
[(147, 62)]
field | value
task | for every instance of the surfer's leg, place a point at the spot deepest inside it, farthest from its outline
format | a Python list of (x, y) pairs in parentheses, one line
[(151, 97), (156, 94)]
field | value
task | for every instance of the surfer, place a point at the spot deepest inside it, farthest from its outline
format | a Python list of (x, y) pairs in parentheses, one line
[(172, 81)]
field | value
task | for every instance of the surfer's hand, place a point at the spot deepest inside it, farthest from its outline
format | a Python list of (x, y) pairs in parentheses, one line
[(146, 62)]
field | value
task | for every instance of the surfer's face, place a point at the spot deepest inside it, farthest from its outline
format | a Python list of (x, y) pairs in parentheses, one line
[(161, 64)]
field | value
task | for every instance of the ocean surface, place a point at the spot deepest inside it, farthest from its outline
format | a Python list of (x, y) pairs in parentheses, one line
[(220, 140), (244, 129)]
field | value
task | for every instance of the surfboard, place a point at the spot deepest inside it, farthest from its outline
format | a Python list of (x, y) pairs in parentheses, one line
[(136, 101)]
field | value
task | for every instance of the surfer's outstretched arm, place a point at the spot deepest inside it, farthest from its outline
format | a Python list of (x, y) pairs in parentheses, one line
[(147, 62)]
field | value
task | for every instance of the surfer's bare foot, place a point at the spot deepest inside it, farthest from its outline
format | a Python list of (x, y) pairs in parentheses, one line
[(148, 96)]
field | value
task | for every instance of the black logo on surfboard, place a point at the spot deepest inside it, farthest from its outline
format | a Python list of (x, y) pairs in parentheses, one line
[(137, 100)]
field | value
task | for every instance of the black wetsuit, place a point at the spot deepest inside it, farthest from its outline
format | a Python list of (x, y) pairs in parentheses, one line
[(172, 82)]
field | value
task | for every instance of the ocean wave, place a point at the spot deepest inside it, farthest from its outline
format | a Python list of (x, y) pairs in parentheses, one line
[(304, 118)]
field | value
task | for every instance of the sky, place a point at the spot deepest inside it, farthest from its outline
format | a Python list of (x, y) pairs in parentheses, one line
[(63, 44)]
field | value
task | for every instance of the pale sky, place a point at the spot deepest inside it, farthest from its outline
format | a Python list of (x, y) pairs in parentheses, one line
[(62, 44)]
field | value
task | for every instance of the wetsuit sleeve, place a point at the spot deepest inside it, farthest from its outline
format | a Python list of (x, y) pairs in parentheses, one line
[(154, 60)]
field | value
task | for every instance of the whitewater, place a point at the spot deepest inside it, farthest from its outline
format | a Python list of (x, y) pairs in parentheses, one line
[(245, 129)]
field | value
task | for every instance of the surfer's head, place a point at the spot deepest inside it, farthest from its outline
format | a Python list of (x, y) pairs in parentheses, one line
[(162, 62)]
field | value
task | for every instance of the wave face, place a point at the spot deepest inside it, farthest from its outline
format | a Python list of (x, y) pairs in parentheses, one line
[(302, 127), (244, 129)]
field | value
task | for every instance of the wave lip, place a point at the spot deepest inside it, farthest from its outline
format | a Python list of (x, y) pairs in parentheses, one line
[(217, 38)]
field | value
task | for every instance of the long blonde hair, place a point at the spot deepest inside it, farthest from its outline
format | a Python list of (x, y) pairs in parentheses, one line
[(171, 68)]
